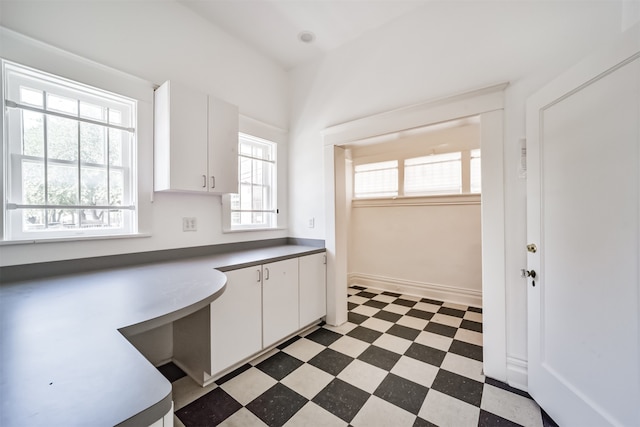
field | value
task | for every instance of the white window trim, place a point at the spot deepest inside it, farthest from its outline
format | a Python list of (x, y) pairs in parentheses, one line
[(11, 218)]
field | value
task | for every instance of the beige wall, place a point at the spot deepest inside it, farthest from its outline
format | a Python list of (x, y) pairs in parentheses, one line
[(423, 245)]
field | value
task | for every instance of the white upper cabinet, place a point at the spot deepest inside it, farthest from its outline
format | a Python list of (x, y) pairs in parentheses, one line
[(195, 142)]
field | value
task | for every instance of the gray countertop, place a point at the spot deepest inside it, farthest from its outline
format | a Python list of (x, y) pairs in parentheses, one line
[(63, 359)]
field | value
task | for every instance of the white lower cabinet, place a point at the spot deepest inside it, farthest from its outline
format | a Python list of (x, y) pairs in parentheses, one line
[(312, 288), (236, 319), (279, 300), (264, 304)]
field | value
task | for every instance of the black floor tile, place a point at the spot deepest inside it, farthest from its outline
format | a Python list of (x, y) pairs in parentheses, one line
[(364, 334), (458, 386), (356, 318), (209, 410), (440, 329), (465, 349), (380, 357), (391, 294), (506, 387), (402, 392), (351, 306), (341, 399), (451, 312), (426, 354), (365, 294), (423, 423), (472, 326), (279, 365), (277, 405), (288, 342), (171, 371), (331, 361), (324, 336), (404, 332), (388, 316), (231, 375), (547, 421), (487, 419), (420, 314), (375, 304), (431, 301), (404, 302), (360, 288), (475, 309)]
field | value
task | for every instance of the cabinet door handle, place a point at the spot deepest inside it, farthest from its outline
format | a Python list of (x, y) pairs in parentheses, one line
[(266, 273), (204, 181), (259, 276), (213, 181)]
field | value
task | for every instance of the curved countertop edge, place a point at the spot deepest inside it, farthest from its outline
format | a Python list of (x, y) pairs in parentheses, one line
[(221, 262)]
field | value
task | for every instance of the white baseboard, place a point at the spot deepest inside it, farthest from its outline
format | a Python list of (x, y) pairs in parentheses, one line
[(517, 373), (444, 293)]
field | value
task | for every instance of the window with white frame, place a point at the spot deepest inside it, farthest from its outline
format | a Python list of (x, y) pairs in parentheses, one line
[(436, 174), (254, 207), (376, 179), (70, 158)]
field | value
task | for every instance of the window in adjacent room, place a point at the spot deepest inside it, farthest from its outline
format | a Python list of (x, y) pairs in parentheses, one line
[(476, 177), (70, 158), (435, 174), (254, 207), (376, 179)]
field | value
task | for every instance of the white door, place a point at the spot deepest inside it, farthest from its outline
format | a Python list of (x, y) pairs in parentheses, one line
[(583, 149)]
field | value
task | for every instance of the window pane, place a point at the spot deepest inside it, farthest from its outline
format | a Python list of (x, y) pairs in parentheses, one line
[(32, 182), (62, 184), (93, 143), (62, 138), (94, 186), (32, 134), (62, 104), (115, 117), (436, 174), (476, 175), (31, 96), (91, 111), (116, 188), (376, 179), (117, 146), (94, 218), (33, 219)]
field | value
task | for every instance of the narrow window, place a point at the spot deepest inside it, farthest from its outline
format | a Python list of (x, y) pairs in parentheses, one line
[(435, 174), (476, 176), (255, 204), (70, 158)]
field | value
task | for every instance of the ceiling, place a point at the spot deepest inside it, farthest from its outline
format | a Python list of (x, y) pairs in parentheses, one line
[(273, 26)]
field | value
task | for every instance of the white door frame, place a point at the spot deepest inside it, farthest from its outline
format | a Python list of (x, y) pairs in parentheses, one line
[(488, 103)]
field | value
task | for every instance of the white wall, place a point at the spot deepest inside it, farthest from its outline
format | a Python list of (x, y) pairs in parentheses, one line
[(442, 49), (155, 41)]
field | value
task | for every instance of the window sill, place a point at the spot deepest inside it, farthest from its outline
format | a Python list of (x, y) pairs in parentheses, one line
[(244, 230), (72, 239), (448, 199)]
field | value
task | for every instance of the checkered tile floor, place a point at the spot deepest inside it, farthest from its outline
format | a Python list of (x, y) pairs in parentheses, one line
[(399, 361)]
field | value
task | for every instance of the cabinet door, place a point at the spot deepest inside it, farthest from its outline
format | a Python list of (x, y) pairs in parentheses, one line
[(280, 300), (236, 319), (180, 139), (223, 147), (313, 288)]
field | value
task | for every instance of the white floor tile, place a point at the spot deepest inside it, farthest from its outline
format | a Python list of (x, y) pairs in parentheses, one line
[(380, 413), (343, 329), (264, 356), (447, 411), (464, 366), (415, 370), (434, 340), (363, 375), (313, 415), (304, 349), (384, 298), (473, 316), (377, 324), (357, 300), (398, 309), (177, 422), (456, 306), (411, 297), (393, 343), (425, 306), (472, 337), (349, 346), (307, 380), (511, 406), (445, 319), (412, 322), (374, 290), (248, 385), (366, 310), (242, 418)]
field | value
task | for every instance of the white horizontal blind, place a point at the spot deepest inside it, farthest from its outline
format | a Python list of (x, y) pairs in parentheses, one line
[(376, 179), (476, 176), (435, 174)]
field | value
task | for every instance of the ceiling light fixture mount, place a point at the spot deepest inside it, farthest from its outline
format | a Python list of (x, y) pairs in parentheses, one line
[(306, 37)]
